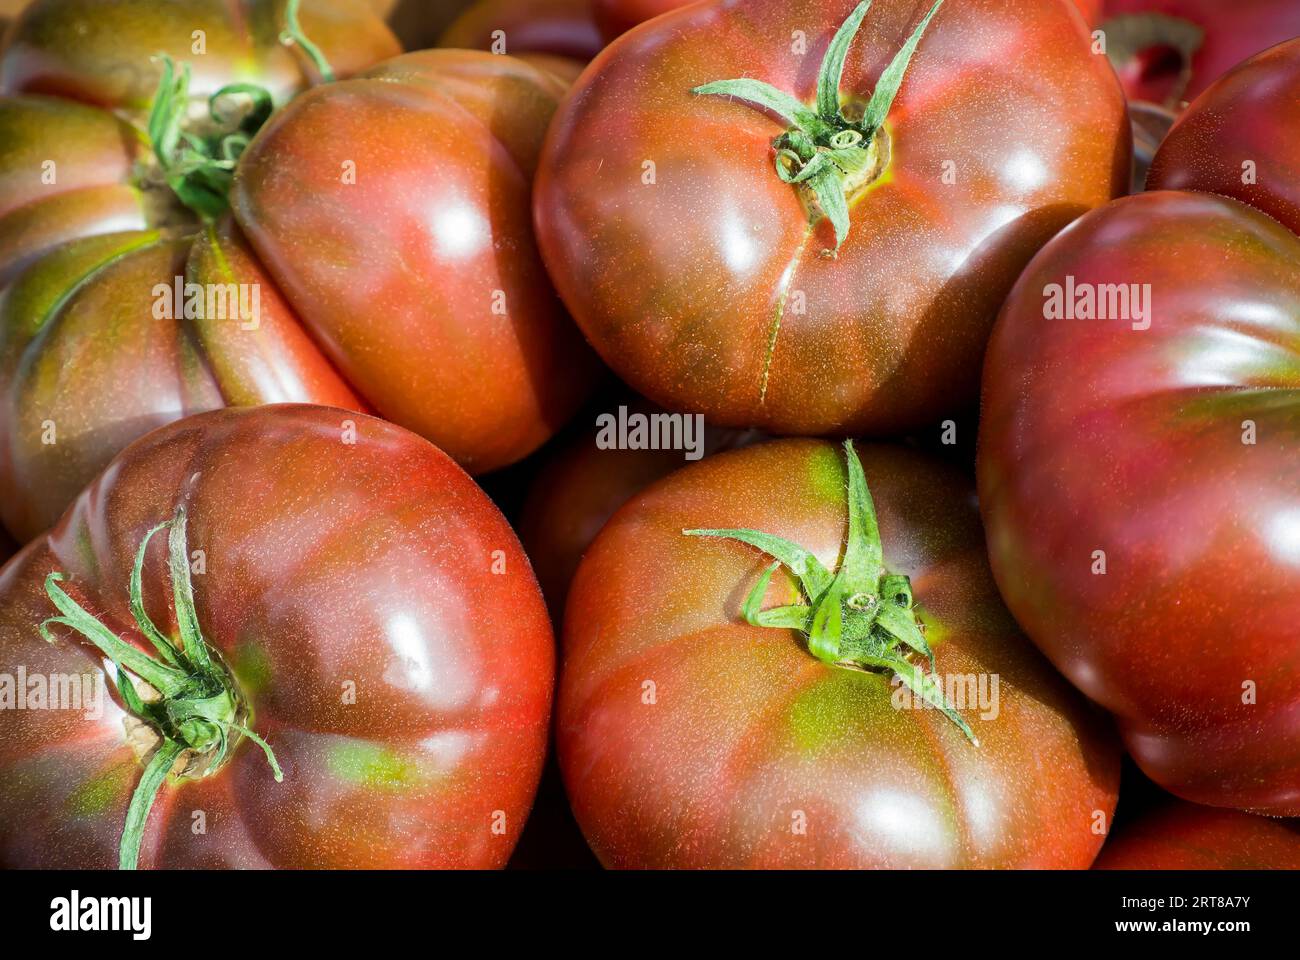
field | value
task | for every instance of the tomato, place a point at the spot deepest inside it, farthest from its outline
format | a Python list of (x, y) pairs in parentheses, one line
[(1168, 51), (1241, 138), (368, 217), (1137, 476), (690, 738), (856, 300), (1183, 836), (617, 17), (583, 483), (565, 28), (351, 587), (108, 54)]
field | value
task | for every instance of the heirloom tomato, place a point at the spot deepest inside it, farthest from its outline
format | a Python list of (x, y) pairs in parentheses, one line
[(1137, 471), (1184, 836), (1168, 51), (1241, 138), (880, 709), (584, 482), (298, 615), (616, 17), (380, 257), (562, 28), (793, 252), (110, 54)]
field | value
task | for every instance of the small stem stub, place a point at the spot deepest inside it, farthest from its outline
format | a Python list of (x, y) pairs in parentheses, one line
[(293, 35), (860, 616), (827, 150), (194, 705)]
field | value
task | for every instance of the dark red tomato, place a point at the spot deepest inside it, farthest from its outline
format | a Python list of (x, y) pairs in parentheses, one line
[(616, 17), (1183, 836), (351, 585), (108, 53), (690, 738), (1137, 473), (565, 28), (376, 209), (1168, 51), (584, 483), (1241, 138), (712, 285)]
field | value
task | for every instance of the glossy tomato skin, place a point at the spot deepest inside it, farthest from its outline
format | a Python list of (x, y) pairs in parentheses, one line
[(690, 739), (1183, 836), (341, 552), (1249, 115), (1231, 33), (616, 17), (103, 53), (582, 485), (464, 350), (474, 350), (565, 28), (1167, 454), (678, 284)]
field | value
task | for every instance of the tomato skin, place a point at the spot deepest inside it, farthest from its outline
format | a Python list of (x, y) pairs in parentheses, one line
[(1249, 114), (1099, 437), (747, 729), (1232, 33), (565, 28), (678, 284), (83, 349), (582, 486), (327, 563), (108, 59), (1183, 836)]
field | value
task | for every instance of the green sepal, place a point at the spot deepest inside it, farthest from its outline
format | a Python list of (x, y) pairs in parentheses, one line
[(813, 577), (790, 109), (887, 87), (832, 69)]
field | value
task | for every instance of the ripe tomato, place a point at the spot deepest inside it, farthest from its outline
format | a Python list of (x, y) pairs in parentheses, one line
[(375, 265), (564, 28), (616, 17), (1168, 51), (583, 484), (108, 53), (1183, 836), (712, 285), (690, 738), (351, 585), (1241, 138), (1137, 477)]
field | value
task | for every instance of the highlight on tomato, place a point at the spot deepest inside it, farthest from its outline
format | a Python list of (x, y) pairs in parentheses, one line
[(809, 249), (1241, 138), (1184, 836), (273, 637), (760, 670), (1137, 463), (341, 250)]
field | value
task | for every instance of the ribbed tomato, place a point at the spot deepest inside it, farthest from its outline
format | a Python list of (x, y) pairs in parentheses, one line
[(869, 710), (732, 249), (361, 268), (1137, 471), (1183, 836), (1241, 138), (329, 599)]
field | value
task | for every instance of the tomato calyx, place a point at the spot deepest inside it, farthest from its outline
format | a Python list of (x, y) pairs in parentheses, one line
[(1158, 46), (826, 151), (861, 617), (190, 702), (198, 160)]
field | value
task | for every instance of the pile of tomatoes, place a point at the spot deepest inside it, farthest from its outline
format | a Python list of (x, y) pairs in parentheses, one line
[(897, 404)]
